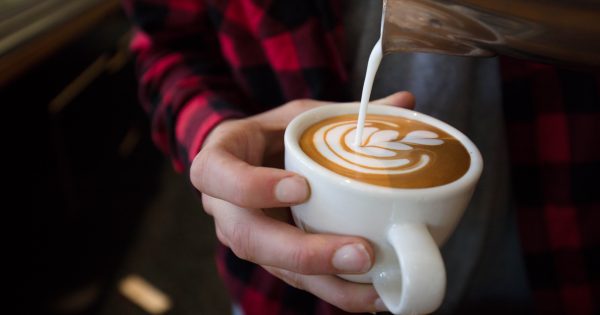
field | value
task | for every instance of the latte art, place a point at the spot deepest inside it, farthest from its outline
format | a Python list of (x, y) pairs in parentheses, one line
[(395, 151), (382, 153)]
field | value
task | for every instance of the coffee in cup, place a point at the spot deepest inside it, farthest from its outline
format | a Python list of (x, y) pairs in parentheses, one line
[(396, 151)]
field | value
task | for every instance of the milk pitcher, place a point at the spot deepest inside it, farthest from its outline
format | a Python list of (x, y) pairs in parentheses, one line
[(555, 31)]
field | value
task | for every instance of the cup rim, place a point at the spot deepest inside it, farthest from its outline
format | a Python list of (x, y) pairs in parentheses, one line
[(292, 146)]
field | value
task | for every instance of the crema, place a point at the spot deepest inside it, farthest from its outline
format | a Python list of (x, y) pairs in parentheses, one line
[(395, 151)]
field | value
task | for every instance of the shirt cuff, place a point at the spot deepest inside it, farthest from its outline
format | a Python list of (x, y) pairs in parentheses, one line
[(196, 120)]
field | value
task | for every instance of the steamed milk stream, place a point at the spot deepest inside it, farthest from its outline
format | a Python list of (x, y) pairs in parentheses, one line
[(385, 150), (372, 66)]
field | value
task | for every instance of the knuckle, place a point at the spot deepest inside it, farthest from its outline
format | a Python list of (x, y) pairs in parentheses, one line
[(240, 241), (294, 280), (207, 205), (303, 259), (195, 171), (299, 105), (220, 236), (291, 278), (242, 193), (198, 169)]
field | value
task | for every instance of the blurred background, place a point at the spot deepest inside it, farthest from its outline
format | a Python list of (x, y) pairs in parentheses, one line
[(103, 204)]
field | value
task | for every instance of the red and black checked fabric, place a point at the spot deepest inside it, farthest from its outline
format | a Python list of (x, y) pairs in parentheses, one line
[(554, 135), (203, 61)]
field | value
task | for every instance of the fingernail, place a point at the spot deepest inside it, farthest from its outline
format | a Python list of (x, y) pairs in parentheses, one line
[(293, 189), (379, 305), (352, 258)]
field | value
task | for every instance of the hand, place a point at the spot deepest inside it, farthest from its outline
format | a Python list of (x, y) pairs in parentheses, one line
[(249, 202)]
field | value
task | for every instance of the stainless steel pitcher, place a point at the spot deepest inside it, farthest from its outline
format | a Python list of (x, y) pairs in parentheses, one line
[(556, 31)]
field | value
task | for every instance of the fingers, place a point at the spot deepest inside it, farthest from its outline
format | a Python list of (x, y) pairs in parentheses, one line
[(226, 168), (218, 173), (253, 236), (348, 296), (400, 99), (228, 165)]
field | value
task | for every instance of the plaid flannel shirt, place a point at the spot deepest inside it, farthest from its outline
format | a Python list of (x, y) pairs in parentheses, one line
[(553, 118), (203, 61)]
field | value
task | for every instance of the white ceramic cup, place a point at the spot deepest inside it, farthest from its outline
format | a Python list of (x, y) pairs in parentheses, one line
[(405, 226)]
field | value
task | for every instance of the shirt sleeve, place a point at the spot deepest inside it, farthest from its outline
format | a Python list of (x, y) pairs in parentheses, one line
[(185, 85)]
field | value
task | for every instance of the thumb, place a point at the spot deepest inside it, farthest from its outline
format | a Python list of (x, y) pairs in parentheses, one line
[(400, 99)]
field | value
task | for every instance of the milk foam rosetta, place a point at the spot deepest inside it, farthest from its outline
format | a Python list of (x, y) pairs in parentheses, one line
[(395, 152)]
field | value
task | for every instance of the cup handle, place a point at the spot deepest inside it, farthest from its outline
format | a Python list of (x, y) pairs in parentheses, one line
[(419, 285)]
